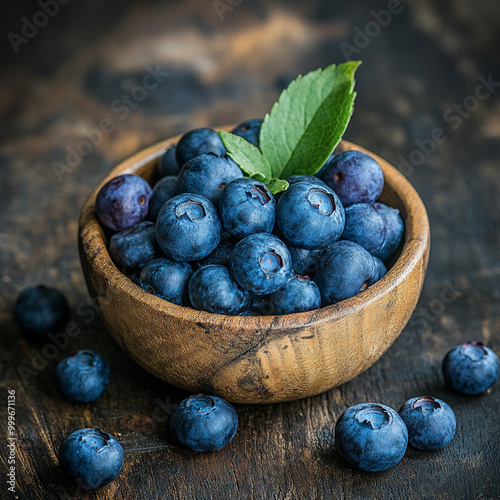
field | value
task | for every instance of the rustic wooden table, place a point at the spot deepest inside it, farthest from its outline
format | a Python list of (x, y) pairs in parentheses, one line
[(73, 94)]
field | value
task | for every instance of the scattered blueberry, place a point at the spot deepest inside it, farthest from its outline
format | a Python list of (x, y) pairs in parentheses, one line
[(365, 226), (371, 437), (163, 190), (249, 130), (310, 216), (188, 227), (167, 165), (246, 207), (40, 310), (91, 457), (355, 177), (168, 279), (431, 422), (394, 231), (471, 368), (206, 175), (204, 423), (381, 270), (222, 253), (299, 294), (305, 261), (83, 377), (197, 142), (261, 263), (345, 269), (212, 289), (123, 201)]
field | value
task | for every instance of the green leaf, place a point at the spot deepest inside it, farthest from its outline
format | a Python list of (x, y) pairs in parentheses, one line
[(246, 155), (276, 185), (258, 176), (308, 121)]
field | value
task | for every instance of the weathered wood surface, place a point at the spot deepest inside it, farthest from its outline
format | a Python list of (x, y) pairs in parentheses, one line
[(417, 84)]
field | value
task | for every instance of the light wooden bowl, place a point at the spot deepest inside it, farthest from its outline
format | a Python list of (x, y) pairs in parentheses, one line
[(257, 359)]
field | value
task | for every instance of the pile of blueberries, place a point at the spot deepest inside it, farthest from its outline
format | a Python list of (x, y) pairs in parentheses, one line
[(208, 237)]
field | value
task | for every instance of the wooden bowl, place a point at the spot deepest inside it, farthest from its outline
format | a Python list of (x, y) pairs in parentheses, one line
[(257, 359)]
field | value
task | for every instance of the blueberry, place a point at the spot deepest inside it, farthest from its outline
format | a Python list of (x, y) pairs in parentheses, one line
[(381, 270), (310, 216), (471, 368), (135, 246), (431, 422), (371, 437), (197, 142), (91, 457), (345, 269), (168, 279), (188, 227), (163, 190), (261, 263), (123, 201), (212, 289), (222, 254), (355, 176), (293, 179), (83, 377), (394, 231), (167, 165), (246, 207), (299, 294), (204, 423), (261, 305), (249, 130), (365, 226), (305, 261), (40, 310), (206, 175)]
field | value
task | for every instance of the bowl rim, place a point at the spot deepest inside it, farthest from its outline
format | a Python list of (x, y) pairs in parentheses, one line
[(92, 247)]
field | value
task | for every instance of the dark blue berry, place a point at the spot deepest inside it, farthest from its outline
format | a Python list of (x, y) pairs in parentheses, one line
[(188, 227), (163, 190), (305, 261), (197, 142), (222, 254), (355, 176), (168, 164), (40, 310), (293, 179), (123, 202), (261, 305), (83, 377), (394, 231), (204, 423), (91, 457), (371, 437), (168, 279), (249, 130), (299, 294), (431, 422), (471, 368), (381, 270)]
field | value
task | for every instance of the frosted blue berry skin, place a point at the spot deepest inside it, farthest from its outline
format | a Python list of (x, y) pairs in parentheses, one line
[(381, 270), (197, 142), (371, 437), (299, 294), (123, 202), (471, 368), (249, 130), (40, 310), (247, 206), (207, 175), (355, 176), (82, 377), (222, 253), (91, 457), (394, 231), (167, 279), (431, 422), (345, 270), (163, 190), (168, 166), (305, 261), (261, 263), (293, 179), (204, 423), (188, 227), (212, 289), (365, 226), (135, 246), (310, 216)]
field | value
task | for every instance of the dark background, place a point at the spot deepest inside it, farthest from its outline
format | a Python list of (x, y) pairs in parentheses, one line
[(63, 81)]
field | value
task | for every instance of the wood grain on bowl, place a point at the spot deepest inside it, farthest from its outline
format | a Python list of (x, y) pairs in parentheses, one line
[(257, 359)]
